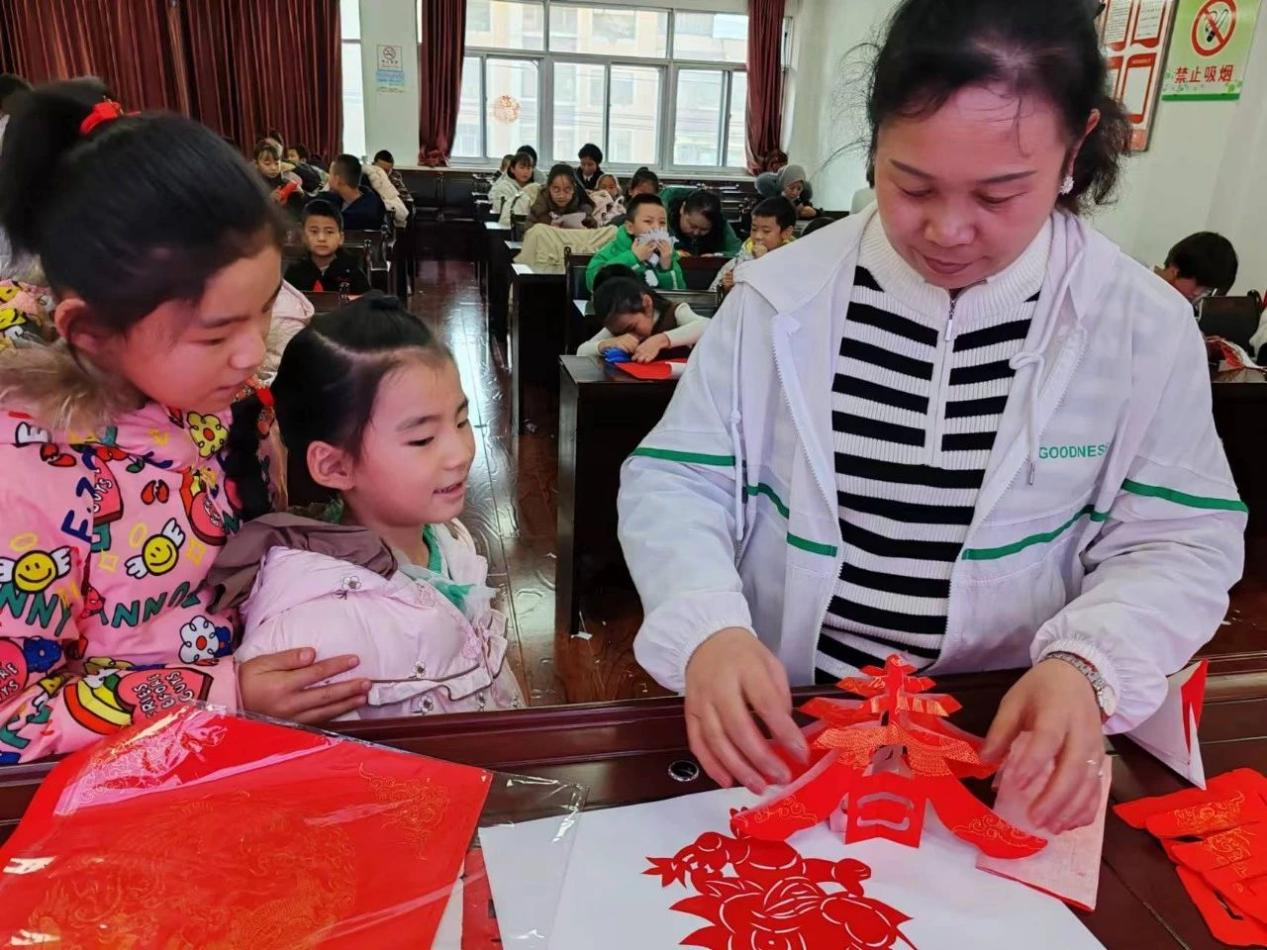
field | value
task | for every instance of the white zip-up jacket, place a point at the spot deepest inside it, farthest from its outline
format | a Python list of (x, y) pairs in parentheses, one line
[(1107, 526)]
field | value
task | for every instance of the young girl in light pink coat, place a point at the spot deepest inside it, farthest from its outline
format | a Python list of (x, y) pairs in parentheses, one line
[(373, 405)]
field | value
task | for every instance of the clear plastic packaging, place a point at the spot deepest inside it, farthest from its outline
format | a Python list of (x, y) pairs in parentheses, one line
[(203, 828)]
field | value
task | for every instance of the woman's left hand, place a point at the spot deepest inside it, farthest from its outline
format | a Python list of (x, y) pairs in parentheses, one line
[(808, 212), (1051, 718), (650, 348)]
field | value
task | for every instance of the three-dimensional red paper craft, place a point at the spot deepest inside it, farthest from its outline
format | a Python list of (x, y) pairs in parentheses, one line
[(203, 829), (883, 758), (763, 894), (1217, 839)]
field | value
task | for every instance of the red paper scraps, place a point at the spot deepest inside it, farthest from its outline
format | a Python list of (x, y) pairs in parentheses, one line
[(202, 829), (655, 370), (764, 894), (479, 920), (889, 755), (1217, 838)]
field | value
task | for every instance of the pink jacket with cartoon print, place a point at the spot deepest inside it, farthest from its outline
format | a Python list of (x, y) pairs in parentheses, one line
[(106, 534)]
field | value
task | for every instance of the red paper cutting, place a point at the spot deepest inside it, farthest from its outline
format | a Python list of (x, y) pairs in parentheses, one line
[(655, 370), (763, 894), (202, 829), (887, 756), (1217, 838)]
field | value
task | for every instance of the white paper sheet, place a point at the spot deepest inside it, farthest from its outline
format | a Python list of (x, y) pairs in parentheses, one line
[(608, 902), (449, 933), (1171, 732)]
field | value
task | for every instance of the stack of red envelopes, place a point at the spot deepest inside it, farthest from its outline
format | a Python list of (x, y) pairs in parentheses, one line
[(1217, 838), (203, 829)]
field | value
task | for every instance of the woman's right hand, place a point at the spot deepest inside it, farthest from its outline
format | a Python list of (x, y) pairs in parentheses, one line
[(283, 686), (730, 676)]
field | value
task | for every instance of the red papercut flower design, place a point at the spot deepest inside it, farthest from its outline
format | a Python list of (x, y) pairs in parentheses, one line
[(762, 895), (888, 755)]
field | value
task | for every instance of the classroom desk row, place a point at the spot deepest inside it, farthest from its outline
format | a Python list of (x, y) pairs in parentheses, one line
[(634, 751)]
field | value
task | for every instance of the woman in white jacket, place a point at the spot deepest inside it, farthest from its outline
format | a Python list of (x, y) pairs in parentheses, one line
[(961, 426)]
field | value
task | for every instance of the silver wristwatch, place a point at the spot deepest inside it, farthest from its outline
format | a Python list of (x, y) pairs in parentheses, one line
[(1105, 698)]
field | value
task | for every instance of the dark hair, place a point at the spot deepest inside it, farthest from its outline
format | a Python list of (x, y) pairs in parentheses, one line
[(1207, 258), (301, 151), (643, 176), (590, 150), (330, 373), (934, 48), (142, 210), (816, 225), (778, 208), (618, 291), (523, 158), (699, 201), (323, 209), (637, 201), (382, 155), (531, 151), (265, 147), (348, 167), (778, 155), (10, 84)]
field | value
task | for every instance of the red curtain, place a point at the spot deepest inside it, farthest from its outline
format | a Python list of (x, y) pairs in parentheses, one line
[(240, 66), (132, 45), (440, 77), (765, 80), (255, 65)]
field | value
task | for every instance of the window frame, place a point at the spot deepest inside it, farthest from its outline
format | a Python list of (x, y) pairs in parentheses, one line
[(667, 68)]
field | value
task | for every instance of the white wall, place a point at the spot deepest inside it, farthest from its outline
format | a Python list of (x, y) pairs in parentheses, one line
[(1206, 168), (391, 118)]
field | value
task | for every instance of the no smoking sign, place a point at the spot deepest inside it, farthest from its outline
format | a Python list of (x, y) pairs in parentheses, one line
[(1213, 27)]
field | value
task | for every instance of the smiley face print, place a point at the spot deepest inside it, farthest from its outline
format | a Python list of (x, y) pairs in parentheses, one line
[(36, 570), (159, 554)]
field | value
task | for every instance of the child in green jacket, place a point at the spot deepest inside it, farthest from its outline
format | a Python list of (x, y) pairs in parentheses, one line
[(644, 246)]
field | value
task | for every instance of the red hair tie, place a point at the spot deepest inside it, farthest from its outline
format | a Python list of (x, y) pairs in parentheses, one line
[(104, 111)]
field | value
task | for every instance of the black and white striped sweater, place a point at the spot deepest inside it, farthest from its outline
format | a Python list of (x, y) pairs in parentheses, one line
[(921, 383)]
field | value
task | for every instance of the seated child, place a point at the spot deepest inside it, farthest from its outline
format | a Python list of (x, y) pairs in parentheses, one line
[(773, 225), (638, 320), (609, 203), (505, 165), (326, 266), (508, 187), (562, 203), (371, 403), (1201, 265), (643, 182), (590, 166), (286, 187), (644, 246)]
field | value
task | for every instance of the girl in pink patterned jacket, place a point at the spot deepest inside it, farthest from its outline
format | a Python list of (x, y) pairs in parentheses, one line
[(123, 469)]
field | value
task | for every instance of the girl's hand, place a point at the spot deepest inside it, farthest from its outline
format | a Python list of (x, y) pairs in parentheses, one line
[(283, 685), (650, 348), (626, 341), (729, 676), (643, 250), (1051, 717)]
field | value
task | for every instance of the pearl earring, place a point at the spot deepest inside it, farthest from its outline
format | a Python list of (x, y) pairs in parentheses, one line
[(1066, 186)]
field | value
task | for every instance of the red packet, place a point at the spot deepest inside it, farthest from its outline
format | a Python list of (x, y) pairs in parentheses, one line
[(1137, 813), (1226, 925), (655, 370), (1069, 867), (206, 829), (479, 921)]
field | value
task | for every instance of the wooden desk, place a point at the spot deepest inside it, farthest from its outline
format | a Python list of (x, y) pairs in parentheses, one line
[(622, 753), (535, 338), (500, 258), (603, 415), (1240, 415)]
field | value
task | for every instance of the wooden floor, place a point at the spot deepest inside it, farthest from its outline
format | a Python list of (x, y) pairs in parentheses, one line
[(511, 511)]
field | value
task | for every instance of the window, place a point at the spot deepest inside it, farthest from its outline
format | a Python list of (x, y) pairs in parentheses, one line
[(353, 88), (504, 24), (579, 105), (711, 37), (649, 86)]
